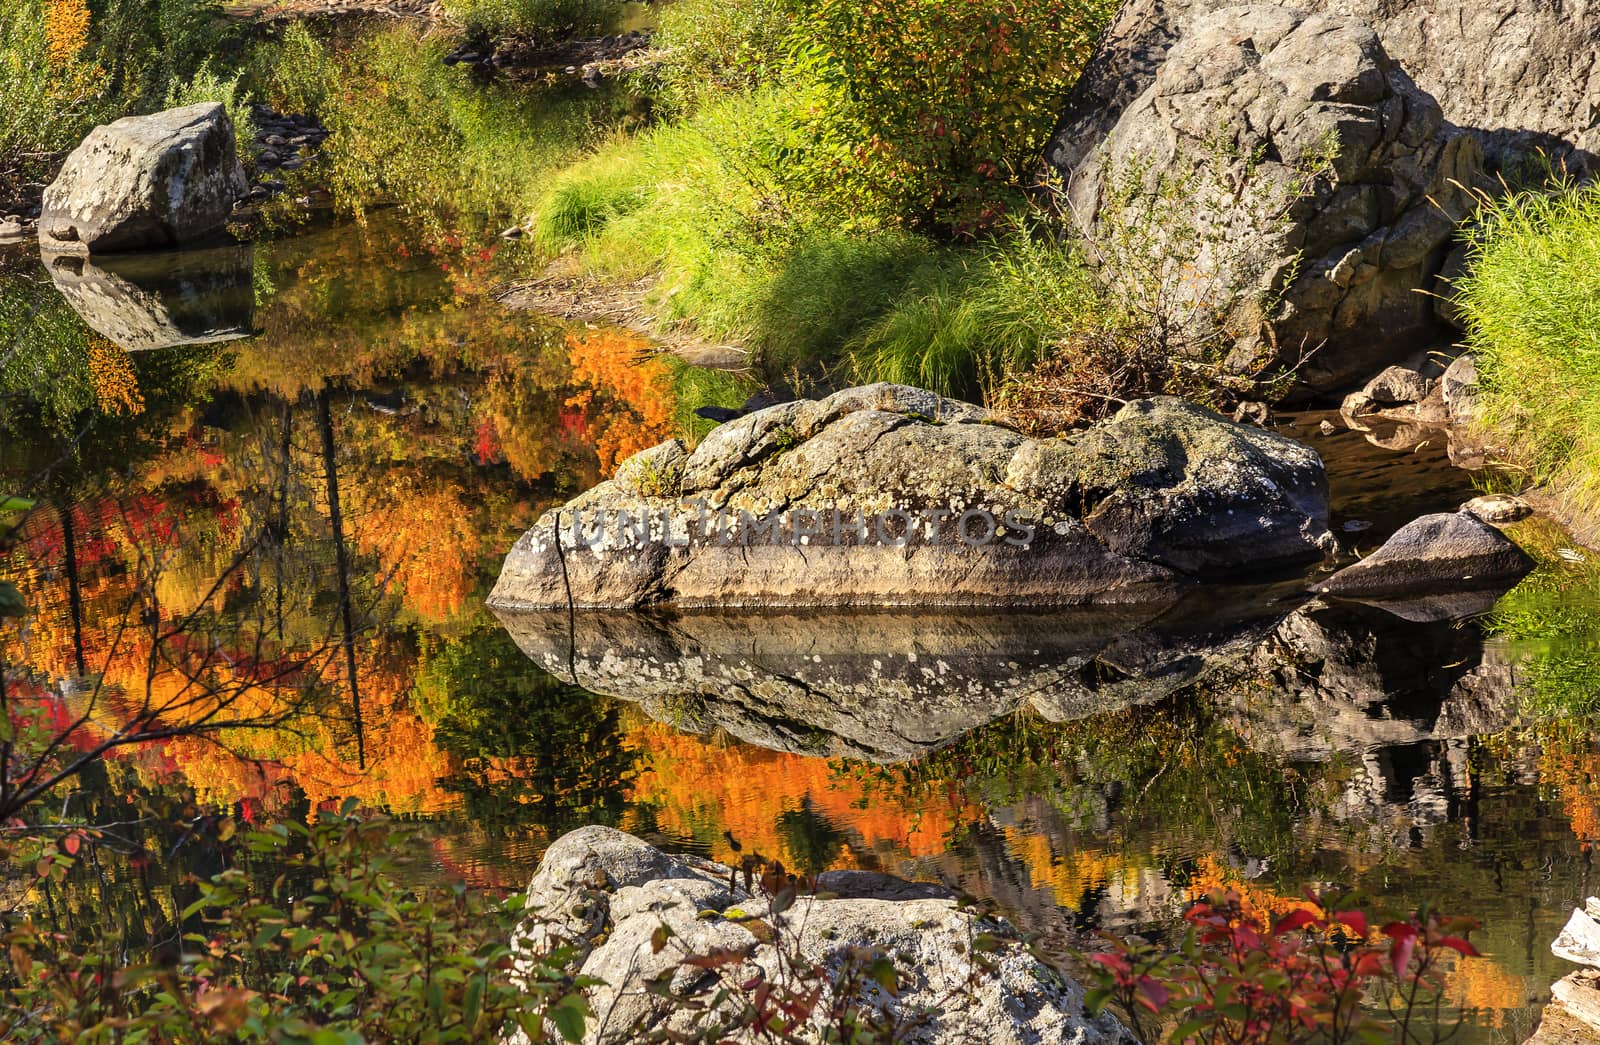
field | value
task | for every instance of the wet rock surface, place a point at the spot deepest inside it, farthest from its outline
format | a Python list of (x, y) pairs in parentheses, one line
[(1437, 555), (609, 893), (888, 495), (145, 183)]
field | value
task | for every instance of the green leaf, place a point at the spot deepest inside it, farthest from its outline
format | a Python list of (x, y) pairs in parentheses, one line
[(570, 1015), (472, 1005)]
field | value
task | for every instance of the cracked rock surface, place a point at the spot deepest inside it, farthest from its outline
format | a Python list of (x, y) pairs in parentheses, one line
[(1310, 187), (887, 495)]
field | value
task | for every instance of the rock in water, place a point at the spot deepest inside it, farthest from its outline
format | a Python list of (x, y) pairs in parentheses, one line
[(608, 894), (1307, 186), (145, 182), (1435, 555), (889, 495)]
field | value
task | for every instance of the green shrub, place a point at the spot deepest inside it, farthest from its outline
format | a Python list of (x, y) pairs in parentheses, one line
[(933, 112), (541, 19), (712, 47), (51, 90), (1531, 302), (317, 937), (208, 86), (406, 127)]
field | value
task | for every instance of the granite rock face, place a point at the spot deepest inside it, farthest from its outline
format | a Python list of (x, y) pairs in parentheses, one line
[(1302, 184), (145, 182), (892, 496), (607, 893), (1519, 75)]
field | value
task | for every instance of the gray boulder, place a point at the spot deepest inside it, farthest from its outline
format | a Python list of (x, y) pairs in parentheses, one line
[(1299, 185), (888, 495), (160, 300), (145, 182), (1519, 75), (608, 893), (1443, 554)]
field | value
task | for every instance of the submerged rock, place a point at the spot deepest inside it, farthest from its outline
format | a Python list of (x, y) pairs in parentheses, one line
[(1307, 185), (145, 182), (142, 301), (608, 893), (1436, 555), (889, 495)]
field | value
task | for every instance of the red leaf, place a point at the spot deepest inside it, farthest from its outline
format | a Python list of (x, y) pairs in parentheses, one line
[(1400, 953), (1295, 920), (1153, 993), (1356, 921), (71, 844), (1460, 946)]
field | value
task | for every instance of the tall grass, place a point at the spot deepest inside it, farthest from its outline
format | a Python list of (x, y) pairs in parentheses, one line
[(702, 206), (1531, 301)]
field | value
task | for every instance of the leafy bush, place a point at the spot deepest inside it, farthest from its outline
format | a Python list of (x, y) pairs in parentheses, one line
[(324, 942), (51, 88), (408, 128), (933, 112), (712, 47), (1531, 302), (208, 86), (541, 19), (1235, 979)]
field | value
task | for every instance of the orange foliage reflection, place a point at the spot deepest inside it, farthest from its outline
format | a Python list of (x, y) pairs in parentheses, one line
[(641, 410)]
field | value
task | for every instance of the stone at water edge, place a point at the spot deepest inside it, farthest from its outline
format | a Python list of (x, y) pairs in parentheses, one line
[(1438, 554), (1397, 385), (1135, 509), (1579, 941), (145, 182), (1498, 509), (608, 892)]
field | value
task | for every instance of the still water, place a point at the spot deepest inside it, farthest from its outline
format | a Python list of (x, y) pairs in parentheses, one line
[(304, 496)]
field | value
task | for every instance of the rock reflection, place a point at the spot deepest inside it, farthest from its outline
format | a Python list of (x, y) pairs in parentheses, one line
[(882, 686), (161, 300)]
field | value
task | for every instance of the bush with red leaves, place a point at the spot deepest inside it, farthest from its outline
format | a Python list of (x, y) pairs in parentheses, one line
[(1321, 975)]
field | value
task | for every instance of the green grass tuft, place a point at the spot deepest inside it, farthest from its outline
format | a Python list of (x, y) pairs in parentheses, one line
[(1531, 301)]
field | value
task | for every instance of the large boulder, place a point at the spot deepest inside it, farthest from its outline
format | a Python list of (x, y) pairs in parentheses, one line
[(145, 182), (160, 300), (888, 495), (1518, 74), (607, 894), (1291, 183)]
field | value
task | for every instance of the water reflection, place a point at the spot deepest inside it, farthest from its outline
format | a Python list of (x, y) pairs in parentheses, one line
[(1081, 770), (160, 300), (883, 686)]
